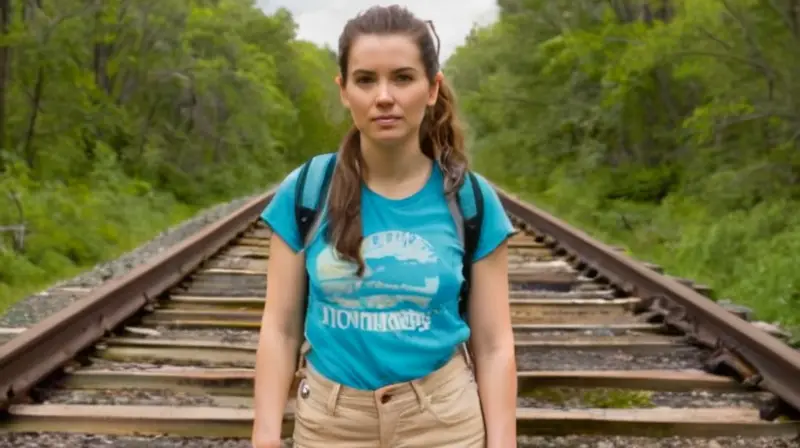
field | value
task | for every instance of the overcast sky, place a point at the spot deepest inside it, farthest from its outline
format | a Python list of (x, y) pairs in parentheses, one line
[(321, 21)]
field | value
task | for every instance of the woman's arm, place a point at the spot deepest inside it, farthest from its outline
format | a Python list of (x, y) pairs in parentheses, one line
[(279, 341), (492, 347)]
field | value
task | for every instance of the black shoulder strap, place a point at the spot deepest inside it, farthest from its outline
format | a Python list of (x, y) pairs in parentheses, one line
[(470, 202), (307, 207)]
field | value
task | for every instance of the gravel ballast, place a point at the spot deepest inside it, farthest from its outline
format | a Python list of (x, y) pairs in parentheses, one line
[(36, 307), (91, 441), (564, 359), (644, 442)]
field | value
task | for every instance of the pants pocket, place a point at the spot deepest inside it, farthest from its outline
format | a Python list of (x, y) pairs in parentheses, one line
[(309, 416), (456, 406), (316, 427)]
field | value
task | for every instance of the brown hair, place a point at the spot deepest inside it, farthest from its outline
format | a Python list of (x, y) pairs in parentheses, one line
[(441, 135)]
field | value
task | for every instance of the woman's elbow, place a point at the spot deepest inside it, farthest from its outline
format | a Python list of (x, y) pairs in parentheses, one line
[(493, 340), (283, 313), (279, 327), (495, 346)]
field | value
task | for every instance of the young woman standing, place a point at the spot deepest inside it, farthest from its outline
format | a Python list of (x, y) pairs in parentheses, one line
[(384, 363)]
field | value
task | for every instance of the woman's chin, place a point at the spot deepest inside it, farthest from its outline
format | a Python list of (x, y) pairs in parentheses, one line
[(389, 137)]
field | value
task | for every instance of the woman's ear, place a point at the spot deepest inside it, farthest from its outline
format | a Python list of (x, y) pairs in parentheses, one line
[(342, 94), (433, 93)]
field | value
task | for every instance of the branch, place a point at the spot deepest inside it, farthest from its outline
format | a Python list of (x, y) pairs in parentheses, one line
[(766, 71), (19, 230)]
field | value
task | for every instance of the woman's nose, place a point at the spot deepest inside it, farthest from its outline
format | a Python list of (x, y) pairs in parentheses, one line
[(384, 94)]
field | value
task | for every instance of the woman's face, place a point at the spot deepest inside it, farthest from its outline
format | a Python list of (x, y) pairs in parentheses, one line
[(387, 91)]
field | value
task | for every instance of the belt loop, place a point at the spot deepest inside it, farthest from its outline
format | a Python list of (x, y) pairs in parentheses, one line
[(422, 397), (466, 354), (333, 398), (305, 347)]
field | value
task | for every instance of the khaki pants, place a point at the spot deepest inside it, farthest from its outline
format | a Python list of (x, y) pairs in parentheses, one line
[(439, 411)]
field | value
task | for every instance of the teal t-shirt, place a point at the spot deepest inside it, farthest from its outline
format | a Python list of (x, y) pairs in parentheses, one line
[(400, 321)]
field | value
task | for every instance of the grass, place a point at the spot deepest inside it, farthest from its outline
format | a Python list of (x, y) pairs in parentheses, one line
[(71, 229), (601, 398)]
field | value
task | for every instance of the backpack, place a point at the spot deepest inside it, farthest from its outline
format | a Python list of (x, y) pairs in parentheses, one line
[(466, 208)]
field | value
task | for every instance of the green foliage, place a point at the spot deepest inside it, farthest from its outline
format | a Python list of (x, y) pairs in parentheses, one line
[(601, 398), (669, 127), (121, 118)]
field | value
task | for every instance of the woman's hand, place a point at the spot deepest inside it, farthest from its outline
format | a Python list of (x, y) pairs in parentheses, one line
[(262, 438)]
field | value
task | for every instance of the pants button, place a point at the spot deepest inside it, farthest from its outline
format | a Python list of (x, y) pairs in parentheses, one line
[(385, 398)]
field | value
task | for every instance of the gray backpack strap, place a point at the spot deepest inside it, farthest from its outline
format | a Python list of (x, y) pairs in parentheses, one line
[(458, 217), (318, 218), (311, 193), (466, 207), (313, 184)]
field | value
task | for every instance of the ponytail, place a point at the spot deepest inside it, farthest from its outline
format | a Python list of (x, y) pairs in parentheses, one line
[(442, 138), (344, 208)]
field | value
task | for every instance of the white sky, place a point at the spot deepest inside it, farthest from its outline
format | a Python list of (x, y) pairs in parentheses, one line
[(321, 21)]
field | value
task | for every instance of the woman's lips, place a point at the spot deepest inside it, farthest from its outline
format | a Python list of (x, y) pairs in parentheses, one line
[(386, 120)]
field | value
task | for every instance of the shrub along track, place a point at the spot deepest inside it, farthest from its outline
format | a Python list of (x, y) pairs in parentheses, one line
[(608, 350)]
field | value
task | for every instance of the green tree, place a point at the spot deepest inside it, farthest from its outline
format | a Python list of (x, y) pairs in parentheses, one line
[(669, 126), (115, 110)]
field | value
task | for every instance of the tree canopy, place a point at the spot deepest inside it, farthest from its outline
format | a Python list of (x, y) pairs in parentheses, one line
[(125, 116), (670, 126)]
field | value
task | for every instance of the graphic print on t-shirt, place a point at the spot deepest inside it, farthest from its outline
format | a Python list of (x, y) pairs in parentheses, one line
[(394, 294)]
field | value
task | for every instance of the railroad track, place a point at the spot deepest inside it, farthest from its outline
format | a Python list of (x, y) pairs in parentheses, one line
[(605, 346)]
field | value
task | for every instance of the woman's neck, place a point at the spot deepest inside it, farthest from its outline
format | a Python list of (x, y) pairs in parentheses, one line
[(395, 171), (394, 163)]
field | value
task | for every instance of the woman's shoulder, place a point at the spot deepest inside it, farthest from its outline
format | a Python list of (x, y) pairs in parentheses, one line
[(311, 173), (496, 226), (280, 212)]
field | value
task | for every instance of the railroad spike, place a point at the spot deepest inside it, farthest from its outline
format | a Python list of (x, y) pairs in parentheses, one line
[(775, 408)]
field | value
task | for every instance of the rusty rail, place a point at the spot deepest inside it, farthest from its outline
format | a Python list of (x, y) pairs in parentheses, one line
[(47, 346), (777, 364)]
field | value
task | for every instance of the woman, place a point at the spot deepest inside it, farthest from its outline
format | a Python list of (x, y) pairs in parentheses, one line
[(387, 251)]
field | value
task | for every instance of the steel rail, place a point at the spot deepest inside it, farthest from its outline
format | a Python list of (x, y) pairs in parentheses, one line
[(48, 345), (777, 363)]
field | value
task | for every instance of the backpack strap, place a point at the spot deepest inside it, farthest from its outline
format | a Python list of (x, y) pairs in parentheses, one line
[(311, 193), (467, 210), (310, 198)]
